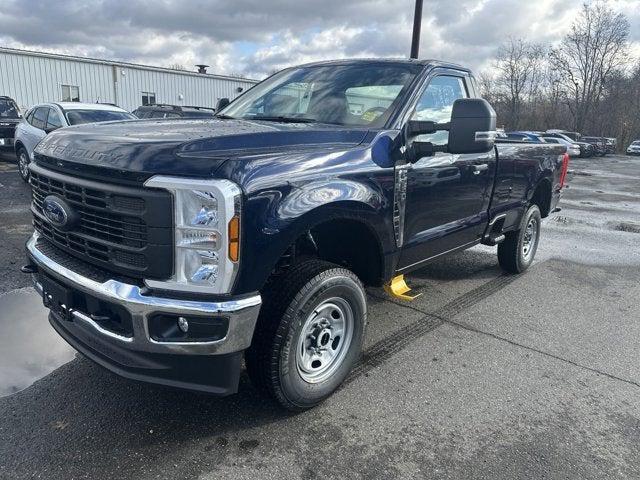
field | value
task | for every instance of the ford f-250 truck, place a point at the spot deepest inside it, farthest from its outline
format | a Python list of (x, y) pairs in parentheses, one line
[(166, 250)]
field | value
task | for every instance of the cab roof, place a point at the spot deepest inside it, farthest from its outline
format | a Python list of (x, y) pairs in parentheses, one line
[(397, 61)]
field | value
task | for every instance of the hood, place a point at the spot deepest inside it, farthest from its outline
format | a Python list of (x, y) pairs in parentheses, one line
[(138, 149)]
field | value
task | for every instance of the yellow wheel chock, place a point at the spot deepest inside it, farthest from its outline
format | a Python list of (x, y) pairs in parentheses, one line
[(398, 288)]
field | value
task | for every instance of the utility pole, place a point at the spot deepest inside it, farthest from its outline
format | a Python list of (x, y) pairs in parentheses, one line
[(417, 23)]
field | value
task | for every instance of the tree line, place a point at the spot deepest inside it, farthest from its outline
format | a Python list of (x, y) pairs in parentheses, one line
[(588, 83)]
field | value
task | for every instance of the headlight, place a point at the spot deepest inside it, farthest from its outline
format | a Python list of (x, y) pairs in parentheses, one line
[(207, 234)]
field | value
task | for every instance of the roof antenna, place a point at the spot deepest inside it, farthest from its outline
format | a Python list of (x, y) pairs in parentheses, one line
[(417, 23)]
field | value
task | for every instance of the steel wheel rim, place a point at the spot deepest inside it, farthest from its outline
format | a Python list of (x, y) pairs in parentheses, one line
[(324, 340), (530, 238), (23, 164)]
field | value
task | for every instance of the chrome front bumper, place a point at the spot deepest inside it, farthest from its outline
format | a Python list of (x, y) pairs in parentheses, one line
[(242, 312)]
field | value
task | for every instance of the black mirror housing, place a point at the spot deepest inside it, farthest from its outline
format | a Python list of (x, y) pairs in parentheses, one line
[(223, 102), (473, 126)]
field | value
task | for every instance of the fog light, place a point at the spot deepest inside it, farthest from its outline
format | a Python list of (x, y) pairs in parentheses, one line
[(183, 325), (167, 327)]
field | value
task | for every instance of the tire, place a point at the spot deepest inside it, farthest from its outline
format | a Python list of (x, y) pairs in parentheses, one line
[(516, 252), (302, 312), (23, 164)]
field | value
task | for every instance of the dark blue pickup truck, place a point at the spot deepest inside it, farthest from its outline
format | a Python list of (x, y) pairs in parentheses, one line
[(166, 250)]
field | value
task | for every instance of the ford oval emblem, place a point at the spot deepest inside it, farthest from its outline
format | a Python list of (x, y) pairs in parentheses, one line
[(57, 211)]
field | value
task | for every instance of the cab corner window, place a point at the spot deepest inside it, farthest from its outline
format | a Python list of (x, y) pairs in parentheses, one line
[(436, 104), (369, 102)]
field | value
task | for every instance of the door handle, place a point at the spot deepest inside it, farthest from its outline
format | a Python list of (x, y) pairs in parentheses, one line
[(480, 168)]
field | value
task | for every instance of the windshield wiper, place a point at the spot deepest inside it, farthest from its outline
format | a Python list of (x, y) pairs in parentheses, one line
[(225, 117), (281, 118)]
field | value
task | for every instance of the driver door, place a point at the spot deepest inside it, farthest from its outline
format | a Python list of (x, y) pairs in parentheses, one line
[(447, 195)]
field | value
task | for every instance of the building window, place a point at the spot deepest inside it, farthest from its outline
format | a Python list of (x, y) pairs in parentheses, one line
[(70, 93), (148, 98)]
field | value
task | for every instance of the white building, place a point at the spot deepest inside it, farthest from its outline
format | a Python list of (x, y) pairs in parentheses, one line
[(33, 77)]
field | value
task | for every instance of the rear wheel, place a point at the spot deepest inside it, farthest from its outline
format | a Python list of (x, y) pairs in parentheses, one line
[(309, 334), (23, 164), (516, 252)]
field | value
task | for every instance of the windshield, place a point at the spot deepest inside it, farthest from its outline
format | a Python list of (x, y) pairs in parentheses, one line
[(76, 117), (8, 109), (357, 94)]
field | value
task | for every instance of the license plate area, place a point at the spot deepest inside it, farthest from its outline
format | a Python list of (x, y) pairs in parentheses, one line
[(56, 297)]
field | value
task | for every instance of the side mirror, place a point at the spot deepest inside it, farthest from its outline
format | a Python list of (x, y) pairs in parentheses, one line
[(472, 129), (473, 126), (223, 102), (50, 129)]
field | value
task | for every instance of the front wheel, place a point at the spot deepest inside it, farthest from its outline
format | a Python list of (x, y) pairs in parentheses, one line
[(23, 164), (516, 252), (309, 334)]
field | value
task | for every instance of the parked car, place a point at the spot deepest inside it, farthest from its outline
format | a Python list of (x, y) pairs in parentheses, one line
[(44, 118), (176, 247), (599, 144), (573, 149), (568, 135), (634, 148), (611, 144), (525, 137), (586, 149), (173, 111), (9, 118)]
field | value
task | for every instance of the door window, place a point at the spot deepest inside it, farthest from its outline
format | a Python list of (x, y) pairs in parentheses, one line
[(40, 117), (436, 104), (53, 120)]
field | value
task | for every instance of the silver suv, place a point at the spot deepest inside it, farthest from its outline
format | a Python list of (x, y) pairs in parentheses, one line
[(44, 118)]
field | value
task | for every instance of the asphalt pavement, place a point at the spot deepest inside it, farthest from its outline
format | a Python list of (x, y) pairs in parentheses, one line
[(485, 375)]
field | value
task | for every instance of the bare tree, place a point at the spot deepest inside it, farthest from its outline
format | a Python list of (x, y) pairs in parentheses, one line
[(587, 57), (177, 66), (519, 73), (236, 75)]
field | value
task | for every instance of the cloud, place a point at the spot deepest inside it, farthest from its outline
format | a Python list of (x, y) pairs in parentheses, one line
[(254, 37)]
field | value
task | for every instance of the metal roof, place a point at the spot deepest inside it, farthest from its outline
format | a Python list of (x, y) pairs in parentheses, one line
[(32, 53)]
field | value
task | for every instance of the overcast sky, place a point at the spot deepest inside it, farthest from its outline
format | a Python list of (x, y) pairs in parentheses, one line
[(254, 37)]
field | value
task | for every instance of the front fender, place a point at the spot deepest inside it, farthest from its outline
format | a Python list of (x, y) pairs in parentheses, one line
[(288, 194)]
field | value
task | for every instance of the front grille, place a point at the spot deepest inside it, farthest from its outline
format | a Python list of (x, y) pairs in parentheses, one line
[(124, 229), (7, 132), (78, 266), (96, 218)]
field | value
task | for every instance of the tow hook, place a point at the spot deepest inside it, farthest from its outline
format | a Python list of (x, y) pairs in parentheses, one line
[(29, 268)]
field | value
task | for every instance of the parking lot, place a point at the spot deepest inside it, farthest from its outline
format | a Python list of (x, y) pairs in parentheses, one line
[(485, 375)]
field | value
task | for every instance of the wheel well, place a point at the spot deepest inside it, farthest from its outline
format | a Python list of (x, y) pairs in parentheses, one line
[(18, 145), (345, 242), (542, 197)]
